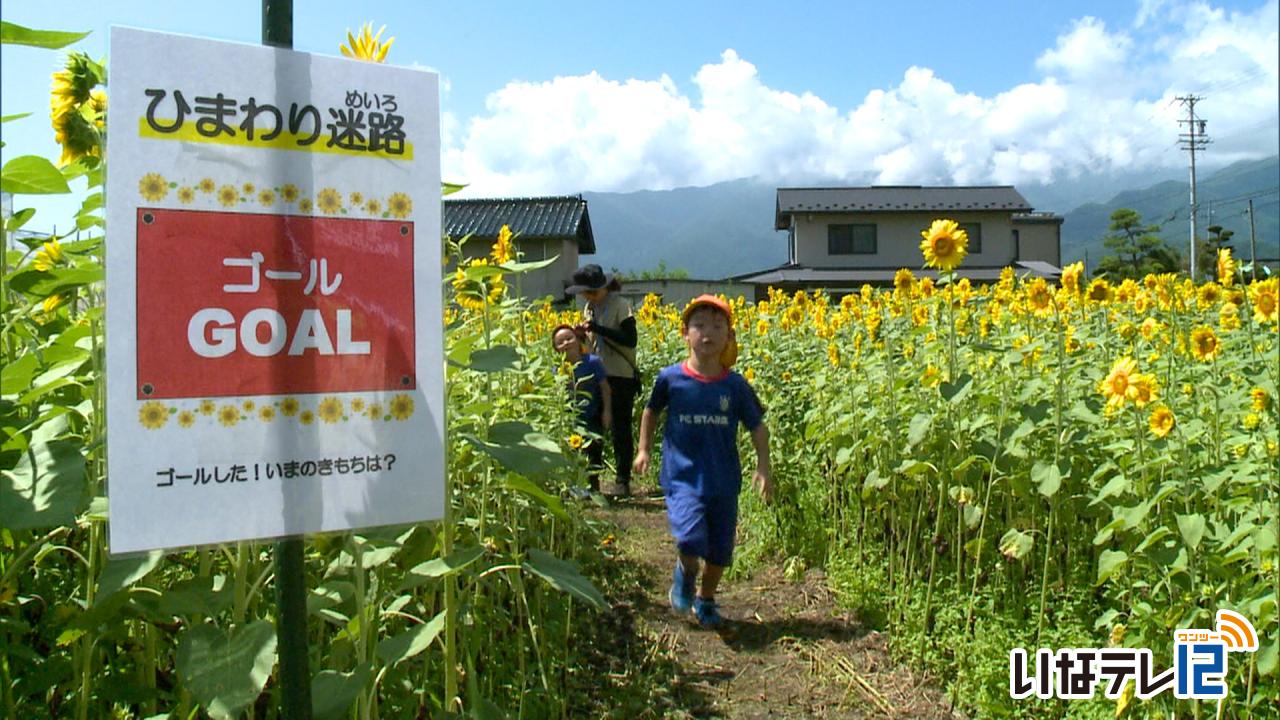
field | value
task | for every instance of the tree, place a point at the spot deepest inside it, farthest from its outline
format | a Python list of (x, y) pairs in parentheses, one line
[(1136, 248)]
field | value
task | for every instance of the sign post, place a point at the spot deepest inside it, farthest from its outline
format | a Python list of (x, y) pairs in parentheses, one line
[(274, 355)]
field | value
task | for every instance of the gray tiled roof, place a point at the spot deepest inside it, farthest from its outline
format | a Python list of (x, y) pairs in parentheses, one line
[(854, 277), (560, 217), (896, 199)]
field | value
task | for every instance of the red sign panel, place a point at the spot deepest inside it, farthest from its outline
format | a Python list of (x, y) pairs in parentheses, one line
[(239, 304)]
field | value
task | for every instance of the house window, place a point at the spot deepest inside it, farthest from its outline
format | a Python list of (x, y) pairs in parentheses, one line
[(974, 231), (851, 239)]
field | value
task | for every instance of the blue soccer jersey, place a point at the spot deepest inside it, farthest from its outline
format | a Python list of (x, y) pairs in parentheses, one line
[(699, 439)]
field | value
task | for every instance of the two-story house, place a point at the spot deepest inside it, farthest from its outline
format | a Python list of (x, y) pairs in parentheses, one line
[(842, 238), (545, 227)]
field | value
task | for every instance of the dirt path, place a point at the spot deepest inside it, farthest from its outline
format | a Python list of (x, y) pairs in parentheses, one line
[(788, 652)]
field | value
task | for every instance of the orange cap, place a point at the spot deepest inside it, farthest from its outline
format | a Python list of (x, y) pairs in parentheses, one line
[(711, 300)]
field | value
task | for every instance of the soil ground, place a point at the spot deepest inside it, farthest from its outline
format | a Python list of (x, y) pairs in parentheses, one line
[(789, 651)]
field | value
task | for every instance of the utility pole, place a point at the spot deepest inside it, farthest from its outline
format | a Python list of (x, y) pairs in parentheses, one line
[(1253, 244), (1192, 140)]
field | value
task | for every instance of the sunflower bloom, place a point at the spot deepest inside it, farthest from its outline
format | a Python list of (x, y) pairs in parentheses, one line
[(1226, 267), (289, 407), (1142, 389), (503, 252), (1039, 297), (207, 407), (153, 187), (306, 417), (1099, 291), (399, 205), (330, 410), (1259, 399), (266, 413), (1205, 345), (1115, 387), (944, 245), (153, 415), (576, 441), (329, 201), (1265, 298), (228, 195), (186, 419), (228, 415), (1161, 421), (266, 198), (903, 281), (49, 255), (1071, 277), (289, 192), (206, 185), (1229, 317), (366, 45), (186, 195), (401, 406)]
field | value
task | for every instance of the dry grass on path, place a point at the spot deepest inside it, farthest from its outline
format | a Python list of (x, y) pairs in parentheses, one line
[(788, 652)]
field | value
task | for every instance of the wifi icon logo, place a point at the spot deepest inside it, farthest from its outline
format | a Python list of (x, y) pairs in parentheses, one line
[(1236, 632)]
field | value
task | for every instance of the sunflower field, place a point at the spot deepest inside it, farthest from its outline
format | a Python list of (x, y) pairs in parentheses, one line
[(978, 468)]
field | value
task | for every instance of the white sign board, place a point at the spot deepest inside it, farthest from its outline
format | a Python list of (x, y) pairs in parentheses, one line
[(274, 359)]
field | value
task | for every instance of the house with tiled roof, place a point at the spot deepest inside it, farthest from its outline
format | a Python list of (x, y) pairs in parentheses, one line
[(545, 227), (840, 239)]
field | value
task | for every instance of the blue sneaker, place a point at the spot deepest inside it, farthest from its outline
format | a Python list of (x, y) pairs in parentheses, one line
[(681, 593), (708, 614)]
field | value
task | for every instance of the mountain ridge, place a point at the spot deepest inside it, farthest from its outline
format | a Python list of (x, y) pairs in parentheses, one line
[(726, 229)]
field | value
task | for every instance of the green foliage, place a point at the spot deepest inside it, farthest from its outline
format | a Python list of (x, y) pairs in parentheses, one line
[(1137, 249)]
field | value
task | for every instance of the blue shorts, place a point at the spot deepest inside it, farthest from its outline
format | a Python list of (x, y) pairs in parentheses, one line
[(703, 527)]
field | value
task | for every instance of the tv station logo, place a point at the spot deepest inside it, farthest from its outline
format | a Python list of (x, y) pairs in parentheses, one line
[(1199, 666)]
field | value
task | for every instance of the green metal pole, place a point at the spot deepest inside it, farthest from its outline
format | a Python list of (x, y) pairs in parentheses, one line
[(291, 578)]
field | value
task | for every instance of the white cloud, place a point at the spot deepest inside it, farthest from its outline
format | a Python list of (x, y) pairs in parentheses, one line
[(1105, 101)]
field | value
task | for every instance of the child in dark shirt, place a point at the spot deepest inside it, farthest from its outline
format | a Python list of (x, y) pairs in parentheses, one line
[(590, 395), (701, 473)]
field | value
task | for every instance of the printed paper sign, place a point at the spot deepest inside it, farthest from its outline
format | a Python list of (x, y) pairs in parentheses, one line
[(274, 329)]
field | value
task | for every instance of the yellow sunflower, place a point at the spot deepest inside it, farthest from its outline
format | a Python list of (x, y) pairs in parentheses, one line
[(186, 195), (1205, 345), (1229, 317), (1099, 291), (399, 205), (1142, 389), (1259, 399), (576, 441), (357, 405), (366, 45), (289, 192), (304, 205), (228, 415), (306, 417), (373, 207), (153, 187), (374, 412), (401, 407), (330, 410), (248, 405), (206, 185), (1161, 421), (1116, 385), (186, 419), (266, 198), (207, 407), (1265, 298), (1226, 267), (266, 413), (329, 201), (49, 255), (1070, 280), (228, 195), (357, 198), (503, 252), (248, 188), (153, 415), (1039, 297), (944, 245), (904, 281), (289, 407)]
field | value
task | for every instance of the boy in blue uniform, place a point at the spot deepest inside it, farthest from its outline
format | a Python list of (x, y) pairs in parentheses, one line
[(701, 474)]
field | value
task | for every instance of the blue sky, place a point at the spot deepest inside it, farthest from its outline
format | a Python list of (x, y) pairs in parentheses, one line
[(543, 97)]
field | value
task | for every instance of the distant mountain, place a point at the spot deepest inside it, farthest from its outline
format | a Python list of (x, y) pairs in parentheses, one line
[(1223, 200), (727, 229), (711, 232)]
